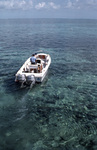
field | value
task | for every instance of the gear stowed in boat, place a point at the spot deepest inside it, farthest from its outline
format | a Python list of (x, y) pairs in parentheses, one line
[(30, 73)]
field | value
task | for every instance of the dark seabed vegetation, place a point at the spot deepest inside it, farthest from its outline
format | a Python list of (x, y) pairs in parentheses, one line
[(61, 112)]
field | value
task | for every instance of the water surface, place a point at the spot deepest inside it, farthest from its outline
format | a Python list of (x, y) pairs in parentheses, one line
[(61, 112)]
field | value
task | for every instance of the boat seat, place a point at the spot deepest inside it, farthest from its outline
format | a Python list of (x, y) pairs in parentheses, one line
[(33, 66), (42, 56)]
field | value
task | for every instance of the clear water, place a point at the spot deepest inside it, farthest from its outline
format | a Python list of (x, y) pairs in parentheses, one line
[(61, 112)]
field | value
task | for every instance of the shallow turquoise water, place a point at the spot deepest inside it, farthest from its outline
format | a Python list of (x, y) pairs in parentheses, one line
[(61, 112)]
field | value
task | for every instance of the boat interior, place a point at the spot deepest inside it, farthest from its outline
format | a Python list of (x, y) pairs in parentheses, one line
[(41, 62)]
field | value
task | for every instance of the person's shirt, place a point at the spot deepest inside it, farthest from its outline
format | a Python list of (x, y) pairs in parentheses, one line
[(33, 59)]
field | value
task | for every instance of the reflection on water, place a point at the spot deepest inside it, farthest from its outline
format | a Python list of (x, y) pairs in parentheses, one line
[(61, 112)]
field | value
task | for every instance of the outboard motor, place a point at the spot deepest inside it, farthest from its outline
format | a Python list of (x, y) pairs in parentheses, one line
[(21, 77), (30, 79)]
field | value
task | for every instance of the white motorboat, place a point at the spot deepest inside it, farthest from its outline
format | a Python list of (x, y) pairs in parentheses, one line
[(30, 73)]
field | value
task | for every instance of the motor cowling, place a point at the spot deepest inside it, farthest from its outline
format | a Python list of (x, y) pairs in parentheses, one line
[(21, 77), (30, 78)]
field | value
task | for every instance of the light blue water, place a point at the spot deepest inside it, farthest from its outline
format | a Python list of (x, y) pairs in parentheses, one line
[(61, 112)]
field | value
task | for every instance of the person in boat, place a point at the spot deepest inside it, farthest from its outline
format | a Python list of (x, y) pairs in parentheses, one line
[(33, 59)]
